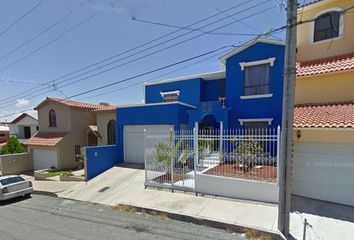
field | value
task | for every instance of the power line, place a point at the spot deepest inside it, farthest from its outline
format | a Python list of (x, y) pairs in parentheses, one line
[(19, 81), (132, 49), (193, 29), (47, 44), (19, 19), (152, 53), (133, 77), (156, 77), (245, 24), (140, 75), (147, 73), (36, 36)]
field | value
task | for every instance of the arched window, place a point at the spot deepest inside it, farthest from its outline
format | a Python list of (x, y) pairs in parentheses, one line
[(52, 118), (327, 26), (111, 132)]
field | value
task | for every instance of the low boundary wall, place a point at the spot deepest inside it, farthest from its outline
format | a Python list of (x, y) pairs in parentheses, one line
[(236, 188), (99, 159), (16, 163)]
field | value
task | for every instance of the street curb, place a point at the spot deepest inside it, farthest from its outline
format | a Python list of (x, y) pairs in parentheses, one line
[(50, 194), (175, 216), (195, 220)]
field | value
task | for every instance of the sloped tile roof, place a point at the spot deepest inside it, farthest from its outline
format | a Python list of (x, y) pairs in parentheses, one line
[(74, 104), (45, 139), (325, 65), (106, 108), (327, 115)]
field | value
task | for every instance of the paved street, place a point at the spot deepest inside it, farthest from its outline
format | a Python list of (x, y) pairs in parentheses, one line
[(42, 217)]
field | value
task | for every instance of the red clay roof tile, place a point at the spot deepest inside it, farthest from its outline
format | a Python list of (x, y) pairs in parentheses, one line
[(326, 115), (325, 65), (45, 139), (76, 104)]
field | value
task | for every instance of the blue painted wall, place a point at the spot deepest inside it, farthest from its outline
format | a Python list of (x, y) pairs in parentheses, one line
[(210, 90), (100, 159), (255, 108), (189, 91), (164, 114)]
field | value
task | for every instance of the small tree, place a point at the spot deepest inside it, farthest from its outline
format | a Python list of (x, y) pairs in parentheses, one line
[(12, 146), (165, 153), (248, 151)]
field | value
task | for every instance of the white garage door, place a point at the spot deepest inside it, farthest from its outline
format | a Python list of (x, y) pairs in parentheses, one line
[(324, 171), (44, 159), (134, 140)]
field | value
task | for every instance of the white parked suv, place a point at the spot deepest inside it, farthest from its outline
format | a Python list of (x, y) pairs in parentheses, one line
[(14, 186)]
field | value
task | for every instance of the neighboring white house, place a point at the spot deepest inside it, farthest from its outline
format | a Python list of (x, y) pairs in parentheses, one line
[(23, 127)]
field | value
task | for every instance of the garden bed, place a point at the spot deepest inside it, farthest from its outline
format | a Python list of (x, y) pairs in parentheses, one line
[(234, 170), (167, 178)]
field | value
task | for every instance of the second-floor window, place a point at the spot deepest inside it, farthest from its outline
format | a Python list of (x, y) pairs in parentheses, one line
[(256, 79), (52, 118), (170, 96), (327, 26)]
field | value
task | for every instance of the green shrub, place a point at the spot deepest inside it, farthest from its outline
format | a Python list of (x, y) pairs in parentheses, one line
[(12, 146), (248, 150)]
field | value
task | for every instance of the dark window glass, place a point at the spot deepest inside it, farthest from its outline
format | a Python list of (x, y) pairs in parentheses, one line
[(111, 132), (326, 26), (255, 125), (52, 118), (170, 97), (256, 80)]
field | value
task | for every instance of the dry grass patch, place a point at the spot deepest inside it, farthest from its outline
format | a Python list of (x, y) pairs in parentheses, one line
[(253, 234)]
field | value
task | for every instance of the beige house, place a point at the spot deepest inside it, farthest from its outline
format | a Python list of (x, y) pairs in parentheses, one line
[(323, 164), (106, 125), (65, 126)]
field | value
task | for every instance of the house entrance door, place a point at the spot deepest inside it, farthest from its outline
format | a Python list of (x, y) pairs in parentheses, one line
[(27, 131)]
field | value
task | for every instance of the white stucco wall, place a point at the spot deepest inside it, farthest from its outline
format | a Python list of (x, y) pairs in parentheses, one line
[(236, 188)]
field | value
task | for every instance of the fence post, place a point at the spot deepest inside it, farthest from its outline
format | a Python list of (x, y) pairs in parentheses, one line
[(145, 159), (221, 138), (195, 141), (196, 155), (172, 159), (278, 153)]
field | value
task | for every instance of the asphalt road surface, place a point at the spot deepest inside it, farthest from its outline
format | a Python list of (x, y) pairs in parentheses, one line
[(48, 218)]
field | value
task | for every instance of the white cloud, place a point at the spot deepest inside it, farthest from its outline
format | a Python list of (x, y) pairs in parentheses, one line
[(21, 103)]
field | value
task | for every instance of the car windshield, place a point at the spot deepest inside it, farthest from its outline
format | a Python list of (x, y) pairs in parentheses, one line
[(10, 180)]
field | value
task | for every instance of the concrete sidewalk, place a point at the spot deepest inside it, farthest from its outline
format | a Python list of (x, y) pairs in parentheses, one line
[(49, 187), (121, 185)]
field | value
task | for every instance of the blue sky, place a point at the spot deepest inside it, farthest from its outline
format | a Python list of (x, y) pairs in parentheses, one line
[(111, 30)]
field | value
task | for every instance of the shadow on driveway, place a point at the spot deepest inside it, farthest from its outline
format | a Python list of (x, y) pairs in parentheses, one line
[(322, 208)]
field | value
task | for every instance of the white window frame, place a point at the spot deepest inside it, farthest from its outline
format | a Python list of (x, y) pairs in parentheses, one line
[(163, 94), (269, 61), (259, 62), (242, 121), (170, 92), (341, 25)]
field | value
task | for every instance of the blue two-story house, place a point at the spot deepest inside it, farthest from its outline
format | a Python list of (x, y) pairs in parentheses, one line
[(247, 94)]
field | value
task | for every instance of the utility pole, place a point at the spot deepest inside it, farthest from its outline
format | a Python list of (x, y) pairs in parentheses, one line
[(287, 119)]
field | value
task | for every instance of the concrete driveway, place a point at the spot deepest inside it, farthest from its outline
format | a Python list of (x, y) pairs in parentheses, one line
[(325, 220), (125, 185)]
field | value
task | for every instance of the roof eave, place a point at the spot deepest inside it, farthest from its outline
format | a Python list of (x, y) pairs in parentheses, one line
[(248, 44)]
